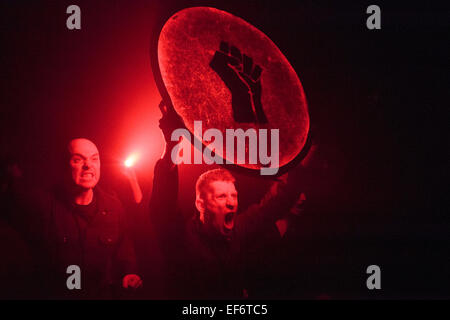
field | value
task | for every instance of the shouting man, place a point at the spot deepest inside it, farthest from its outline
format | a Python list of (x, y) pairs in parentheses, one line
[(78, 224), (207, 256)]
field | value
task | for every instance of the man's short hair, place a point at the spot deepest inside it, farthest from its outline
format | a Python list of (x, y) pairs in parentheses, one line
[(203, 182)]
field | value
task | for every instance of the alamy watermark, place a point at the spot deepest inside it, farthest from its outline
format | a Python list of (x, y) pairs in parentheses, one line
[(74, 280), (259, 143), (374, 280)]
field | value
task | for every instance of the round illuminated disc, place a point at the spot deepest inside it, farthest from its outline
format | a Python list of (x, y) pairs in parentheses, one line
[(221, 70)]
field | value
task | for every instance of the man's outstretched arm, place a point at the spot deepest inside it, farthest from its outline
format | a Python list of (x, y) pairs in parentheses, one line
[(164, 213), (281, 196)]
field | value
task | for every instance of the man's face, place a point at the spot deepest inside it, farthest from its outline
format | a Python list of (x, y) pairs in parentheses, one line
[(299, 205), (220, 207), (84, 163)]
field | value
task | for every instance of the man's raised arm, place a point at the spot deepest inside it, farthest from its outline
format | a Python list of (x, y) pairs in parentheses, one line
[(164, 213), (282, 195)]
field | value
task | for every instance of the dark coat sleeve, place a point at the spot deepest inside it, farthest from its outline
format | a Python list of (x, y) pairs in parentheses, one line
[(164, 212), (170, 229), (274, 205)]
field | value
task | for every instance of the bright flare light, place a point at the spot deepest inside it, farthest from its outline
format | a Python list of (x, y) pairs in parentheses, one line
[(131, 160)]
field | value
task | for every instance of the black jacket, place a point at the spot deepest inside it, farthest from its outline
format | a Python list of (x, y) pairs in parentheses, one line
[(197, 265), (59, 238)]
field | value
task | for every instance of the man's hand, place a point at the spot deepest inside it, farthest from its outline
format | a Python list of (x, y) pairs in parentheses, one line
[(130, 174), (132, 281), (170, 121)]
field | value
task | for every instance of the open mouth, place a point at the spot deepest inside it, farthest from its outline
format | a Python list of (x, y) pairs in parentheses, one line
[(87, 175), (229, 221)]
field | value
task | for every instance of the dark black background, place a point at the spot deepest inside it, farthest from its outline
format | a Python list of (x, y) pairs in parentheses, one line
[(378, 100)]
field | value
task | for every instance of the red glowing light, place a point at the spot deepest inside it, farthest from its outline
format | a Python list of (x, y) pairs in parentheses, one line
[(131, 160)]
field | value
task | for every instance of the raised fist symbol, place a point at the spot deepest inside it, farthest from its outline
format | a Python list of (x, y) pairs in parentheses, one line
[(242, 77)]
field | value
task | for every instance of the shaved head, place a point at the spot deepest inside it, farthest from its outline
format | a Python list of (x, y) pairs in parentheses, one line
[(84, 163), (83, 143)]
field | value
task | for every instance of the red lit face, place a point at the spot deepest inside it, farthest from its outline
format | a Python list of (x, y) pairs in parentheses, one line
[(220, 207), (84, 163)]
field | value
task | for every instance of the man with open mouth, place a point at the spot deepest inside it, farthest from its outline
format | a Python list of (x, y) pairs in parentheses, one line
[(78, 224), (207, 256), (216, 202)]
